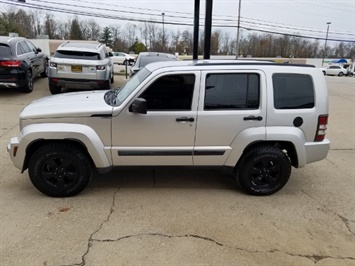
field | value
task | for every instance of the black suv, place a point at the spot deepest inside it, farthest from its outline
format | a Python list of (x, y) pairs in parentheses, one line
[(20, 62)]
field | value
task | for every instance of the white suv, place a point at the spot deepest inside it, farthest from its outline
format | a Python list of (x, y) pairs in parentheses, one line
[(80, 65), (256, 118)]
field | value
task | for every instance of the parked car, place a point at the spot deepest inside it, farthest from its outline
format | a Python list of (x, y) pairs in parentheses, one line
[(20, 62), (333, 70), (80, 65), (122, 58), (145, 58), (255, 118)]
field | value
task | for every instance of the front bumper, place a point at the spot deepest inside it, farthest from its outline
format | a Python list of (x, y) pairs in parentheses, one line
[(15, 154)]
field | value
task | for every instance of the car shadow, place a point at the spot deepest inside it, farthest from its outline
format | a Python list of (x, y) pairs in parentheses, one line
[(165, 177)]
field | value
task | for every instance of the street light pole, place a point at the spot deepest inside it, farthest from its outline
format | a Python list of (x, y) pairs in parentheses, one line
[(163, 14), (237, 45), (325, 45)]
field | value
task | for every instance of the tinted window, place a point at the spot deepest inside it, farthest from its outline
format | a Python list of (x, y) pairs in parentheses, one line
[(77, 55), (26, 49), (334, 67), (32, 46), (4, 51), (293, 91), (145, 60), (171, 92), (232, 91)]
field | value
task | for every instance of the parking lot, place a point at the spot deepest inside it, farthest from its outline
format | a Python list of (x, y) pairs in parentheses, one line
[(178, 216)]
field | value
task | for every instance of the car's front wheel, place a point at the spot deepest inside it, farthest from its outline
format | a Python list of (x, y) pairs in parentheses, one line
[(44, 74), (341, 74), (59, 170), (263, 170)]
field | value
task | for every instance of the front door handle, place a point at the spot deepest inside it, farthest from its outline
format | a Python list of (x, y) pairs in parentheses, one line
[(252, 117), (185, 119)]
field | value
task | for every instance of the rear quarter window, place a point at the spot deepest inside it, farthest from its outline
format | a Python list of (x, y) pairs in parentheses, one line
[(77, 55), (293, 91)]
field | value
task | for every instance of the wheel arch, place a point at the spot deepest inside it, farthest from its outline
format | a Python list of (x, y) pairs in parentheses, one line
[(36, 144), (286, 146)]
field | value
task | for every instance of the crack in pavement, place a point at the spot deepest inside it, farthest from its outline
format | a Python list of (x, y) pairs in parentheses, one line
[(345, 220), (314, 258), (90, 240)]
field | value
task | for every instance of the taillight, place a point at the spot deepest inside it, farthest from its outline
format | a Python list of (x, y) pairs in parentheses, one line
[(10, 63), (322, 127), (100, 67), (53, 64)]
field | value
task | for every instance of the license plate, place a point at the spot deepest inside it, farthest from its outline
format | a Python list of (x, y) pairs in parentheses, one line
[(76, 69)]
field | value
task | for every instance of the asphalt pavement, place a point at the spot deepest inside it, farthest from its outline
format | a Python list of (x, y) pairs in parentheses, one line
[(178, 216)]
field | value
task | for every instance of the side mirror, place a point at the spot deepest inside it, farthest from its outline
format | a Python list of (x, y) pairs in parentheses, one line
[(110, 54), (139, 106), (39, 50)]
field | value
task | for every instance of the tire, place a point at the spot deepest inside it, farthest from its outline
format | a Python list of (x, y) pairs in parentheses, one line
[(59, 170), (124, 62), (112, 78), (54, 89), (263, 170), (28, 87), (44, 74), (341, 74)]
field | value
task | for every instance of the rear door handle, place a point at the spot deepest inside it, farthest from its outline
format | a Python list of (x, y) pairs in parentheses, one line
[(252, 117), (185, 119)]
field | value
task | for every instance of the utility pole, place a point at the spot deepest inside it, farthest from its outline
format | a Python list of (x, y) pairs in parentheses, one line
[(196, 29), (238, 27), (208, 29), (325, 45), (163, 41)]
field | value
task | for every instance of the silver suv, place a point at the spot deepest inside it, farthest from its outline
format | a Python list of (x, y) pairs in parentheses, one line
[(80, 65), (256, 118)]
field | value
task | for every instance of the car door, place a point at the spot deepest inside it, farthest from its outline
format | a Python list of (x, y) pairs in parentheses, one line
[(165, 134), (231, 103)]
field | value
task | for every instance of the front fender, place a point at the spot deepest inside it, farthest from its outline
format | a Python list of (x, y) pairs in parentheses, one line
[(62, 131)]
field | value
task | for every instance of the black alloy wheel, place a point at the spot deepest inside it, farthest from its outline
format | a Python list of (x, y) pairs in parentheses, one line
[(263, 170), (59, 170)]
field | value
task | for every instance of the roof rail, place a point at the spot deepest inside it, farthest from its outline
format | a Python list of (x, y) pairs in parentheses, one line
[(251, 64)]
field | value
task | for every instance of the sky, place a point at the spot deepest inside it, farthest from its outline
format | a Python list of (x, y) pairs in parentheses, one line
[(300, 17)]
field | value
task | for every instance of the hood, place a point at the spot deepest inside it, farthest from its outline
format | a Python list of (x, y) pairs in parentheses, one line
[(75, 104)]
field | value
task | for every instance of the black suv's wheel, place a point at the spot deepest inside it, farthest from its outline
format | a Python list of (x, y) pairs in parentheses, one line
[(112, 78), (59, 170), (28, 87), (263, 170), (44, 74), (54, 89)]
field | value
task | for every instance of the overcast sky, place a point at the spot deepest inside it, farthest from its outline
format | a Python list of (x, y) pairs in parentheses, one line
[(302, 17)]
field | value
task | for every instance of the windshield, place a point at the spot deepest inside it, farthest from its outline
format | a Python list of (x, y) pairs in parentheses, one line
[(130, 86)]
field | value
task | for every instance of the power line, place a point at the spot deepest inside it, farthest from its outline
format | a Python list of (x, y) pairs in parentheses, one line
[(99, 15)]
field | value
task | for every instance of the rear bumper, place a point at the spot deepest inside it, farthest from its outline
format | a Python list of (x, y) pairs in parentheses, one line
[(80, 83), (317, 151)]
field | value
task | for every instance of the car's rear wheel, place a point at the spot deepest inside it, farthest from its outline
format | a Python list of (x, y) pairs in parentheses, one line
[(54, 89), (263, 170), (59, 170), (28, 87)]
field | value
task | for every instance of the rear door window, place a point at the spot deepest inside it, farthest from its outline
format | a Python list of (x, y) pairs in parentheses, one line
[(232, 91), (293, 91), (26, 49), (77, 55)]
